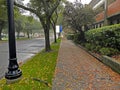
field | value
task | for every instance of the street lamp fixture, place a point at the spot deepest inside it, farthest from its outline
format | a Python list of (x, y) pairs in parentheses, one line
[(13, 68)]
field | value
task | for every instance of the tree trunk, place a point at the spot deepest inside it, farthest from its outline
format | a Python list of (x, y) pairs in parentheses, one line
[(18, 35), (31, 34), (0, 32), (1, 27), (82, 34), (46, 27), (86, 28), (28, 34), (47, 40), (55, 38)]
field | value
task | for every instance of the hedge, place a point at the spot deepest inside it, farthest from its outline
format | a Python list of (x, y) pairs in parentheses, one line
[(70, 36), (108, 36)]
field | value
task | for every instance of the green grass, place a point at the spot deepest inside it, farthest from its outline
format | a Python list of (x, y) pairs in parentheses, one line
[(23, 38), (3, 41), (20, 39), (6, 39), (38, 72)]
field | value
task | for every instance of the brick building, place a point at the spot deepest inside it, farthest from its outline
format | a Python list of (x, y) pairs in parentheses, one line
[(112, 13)]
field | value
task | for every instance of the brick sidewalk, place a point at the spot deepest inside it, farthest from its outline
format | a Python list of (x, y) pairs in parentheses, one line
[(77, 70)]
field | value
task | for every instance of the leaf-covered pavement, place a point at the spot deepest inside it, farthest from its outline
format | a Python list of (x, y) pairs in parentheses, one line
[(77, 70)]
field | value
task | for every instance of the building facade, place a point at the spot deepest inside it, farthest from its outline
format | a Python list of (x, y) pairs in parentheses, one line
[(112, 12)]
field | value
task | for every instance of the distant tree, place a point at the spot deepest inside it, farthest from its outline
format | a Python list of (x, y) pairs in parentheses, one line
[(36, 27), (3, 16), (19, 22), (28, 25), (18, 27), (57, 18), (77, 15), (53, 23), (60, 14)]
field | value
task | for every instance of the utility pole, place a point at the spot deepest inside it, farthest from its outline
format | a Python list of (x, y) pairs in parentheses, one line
[(13, 71), (105, 12)]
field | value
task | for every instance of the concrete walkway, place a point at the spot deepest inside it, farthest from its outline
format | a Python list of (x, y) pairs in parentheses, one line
[(77, 70)]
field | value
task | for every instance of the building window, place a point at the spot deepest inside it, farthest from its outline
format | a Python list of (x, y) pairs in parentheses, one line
[(118, 21)]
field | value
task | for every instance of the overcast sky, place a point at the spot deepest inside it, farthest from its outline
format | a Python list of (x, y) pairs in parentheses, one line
[(83, 1)]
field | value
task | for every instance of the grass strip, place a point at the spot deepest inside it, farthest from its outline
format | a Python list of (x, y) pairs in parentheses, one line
[(38, 72)]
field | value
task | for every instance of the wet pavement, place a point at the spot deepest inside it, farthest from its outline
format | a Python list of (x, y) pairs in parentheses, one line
[(77, 70), (25, 50)]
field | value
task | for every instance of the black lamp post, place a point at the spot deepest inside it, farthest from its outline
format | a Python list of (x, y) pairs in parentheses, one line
[(13, 71)]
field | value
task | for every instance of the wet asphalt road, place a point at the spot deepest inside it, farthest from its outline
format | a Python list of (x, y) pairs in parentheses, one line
[(25, 50)]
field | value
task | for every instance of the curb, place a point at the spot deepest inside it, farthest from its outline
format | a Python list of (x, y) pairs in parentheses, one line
[(113, 64)]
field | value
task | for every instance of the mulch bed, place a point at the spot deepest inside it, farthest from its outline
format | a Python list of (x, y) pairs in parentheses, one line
[(116, 57)]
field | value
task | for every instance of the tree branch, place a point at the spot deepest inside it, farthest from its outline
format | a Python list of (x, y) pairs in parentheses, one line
[(54, 7), (26, 8)]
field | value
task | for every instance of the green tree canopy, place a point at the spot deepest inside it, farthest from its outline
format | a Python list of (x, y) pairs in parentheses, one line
[(43, 9), (76, 15)]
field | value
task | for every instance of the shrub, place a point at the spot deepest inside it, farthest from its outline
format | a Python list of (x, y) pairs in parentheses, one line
[(92, 47), (105, 51), (88, 46), (77, 38), (108, 51), (97, 48), (70, 36), (108, 36)]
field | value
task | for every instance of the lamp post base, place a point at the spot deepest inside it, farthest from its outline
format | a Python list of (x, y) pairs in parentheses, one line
[(11, 81), (10, 75)]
